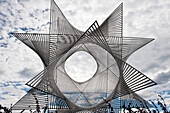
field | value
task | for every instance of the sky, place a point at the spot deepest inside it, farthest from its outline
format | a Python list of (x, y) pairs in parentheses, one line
[(141, 18)]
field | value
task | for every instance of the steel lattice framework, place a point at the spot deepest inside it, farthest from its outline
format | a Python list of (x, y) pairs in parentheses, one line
[(115, 81)]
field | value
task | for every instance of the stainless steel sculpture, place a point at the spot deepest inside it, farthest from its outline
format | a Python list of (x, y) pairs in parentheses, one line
[(115, 81)]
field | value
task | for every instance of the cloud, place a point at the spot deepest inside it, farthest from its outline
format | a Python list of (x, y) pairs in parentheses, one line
[(163, 78), (11, 91), (2, 72), (164, 58), (77, 65), (153, 66), (28, 73)]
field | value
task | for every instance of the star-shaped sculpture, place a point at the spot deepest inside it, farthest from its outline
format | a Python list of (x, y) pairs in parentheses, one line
[(115, 81)]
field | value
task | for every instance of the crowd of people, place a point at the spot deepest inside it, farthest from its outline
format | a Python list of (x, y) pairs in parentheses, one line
[(5, 109), (128, 109)]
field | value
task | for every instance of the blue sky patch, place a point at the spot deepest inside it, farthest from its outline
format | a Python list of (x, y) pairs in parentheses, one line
[(5, 85), (3, 14), (2, 98), (25, 89), (18, 84), (3, 45), (10, 12), (10, 34), (3, 22), (1, 38), (31, 15), (45, 10), (32, 29), (24, 29), (5, 93), (2, 1)]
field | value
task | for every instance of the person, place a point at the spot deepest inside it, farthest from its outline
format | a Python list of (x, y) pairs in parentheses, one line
[(129, 108), (112, 110), (45, 108), (154, 111), (140, 111), (0, 107), (124, 108)]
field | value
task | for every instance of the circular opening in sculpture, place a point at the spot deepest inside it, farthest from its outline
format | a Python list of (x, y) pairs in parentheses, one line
[(81, 66), (88, 75)]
